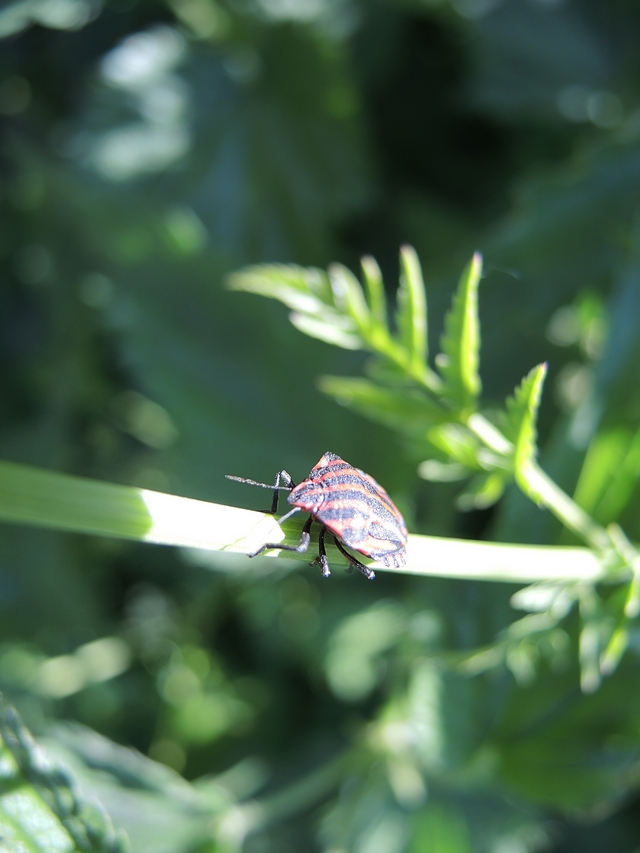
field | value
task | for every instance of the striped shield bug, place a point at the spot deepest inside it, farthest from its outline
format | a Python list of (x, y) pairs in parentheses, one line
[(349, 504)]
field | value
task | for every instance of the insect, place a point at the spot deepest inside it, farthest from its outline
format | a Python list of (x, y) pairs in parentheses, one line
[(349, 504)]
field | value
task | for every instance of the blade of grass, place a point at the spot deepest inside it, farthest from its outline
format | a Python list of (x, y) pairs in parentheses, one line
[(60, 501)]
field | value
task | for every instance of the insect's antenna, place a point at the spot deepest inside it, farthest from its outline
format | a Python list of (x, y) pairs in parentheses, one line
[(254, 483)]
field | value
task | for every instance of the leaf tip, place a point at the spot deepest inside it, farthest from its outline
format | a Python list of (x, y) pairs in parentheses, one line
[(476, 264)]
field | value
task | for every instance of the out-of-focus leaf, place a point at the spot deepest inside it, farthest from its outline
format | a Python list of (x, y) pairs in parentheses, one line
[(374, 289), (306, 291), (158, 809), (412, 307), (41, 810), (441, 830), (348, 296), (555, 743), (460, 356), (407, 410), (331, 309), (609, 474), (352, 662), (69, 15), (338, 331)]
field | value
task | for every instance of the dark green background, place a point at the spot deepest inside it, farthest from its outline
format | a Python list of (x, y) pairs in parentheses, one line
[(309, 133)]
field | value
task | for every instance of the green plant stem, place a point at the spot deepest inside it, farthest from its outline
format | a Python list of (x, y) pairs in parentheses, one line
[(59, 501), (539, 487)]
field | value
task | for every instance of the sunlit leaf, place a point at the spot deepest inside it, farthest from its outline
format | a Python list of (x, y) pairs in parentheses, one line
[(460, 357), (330, 332), (412, 306), (407, 410), (348, 296), (374, 289), (304, 290), (522, 410)]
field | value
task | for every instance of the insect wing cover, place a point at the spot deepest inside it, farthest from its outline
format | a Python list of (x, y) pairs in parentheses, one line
[(355, 508)]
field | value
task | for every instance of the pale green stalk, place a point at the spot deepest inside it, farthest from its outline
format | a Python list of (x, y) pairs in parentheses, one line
[(541, 489), (47, 499)]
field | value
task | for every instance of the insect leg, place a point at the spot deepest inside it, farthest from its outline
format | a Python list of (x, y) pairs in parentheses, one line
[(300, 548), (321, 559), (368, 573)]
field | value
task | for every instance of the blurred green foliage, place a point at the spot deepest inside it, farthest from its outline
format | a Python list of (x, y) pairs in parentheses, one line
[(148, 149)]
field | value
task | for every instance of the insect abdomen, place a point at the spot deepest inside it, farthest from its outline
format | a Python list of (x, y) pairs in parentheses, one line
[(356, 509)]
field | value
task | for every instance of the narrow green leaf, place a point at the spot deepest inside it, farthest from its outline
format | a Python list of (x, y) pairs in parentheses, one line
[(401, 409), (522, 412), (44, 498), (616, 648), (412, 307), (48, 499), (348, 296), (341, 332), (302, 289), (460, 356), (375, 290), (609, 474)]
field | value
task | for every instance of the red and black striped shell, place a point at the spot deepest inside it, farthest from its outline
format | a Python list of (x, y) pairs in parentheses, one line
[(355, 508)]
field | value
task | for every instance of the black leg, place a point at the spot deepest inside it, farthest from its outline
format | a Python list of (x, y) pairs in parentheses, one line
[(321, 559), (368, 573), (300, 548)]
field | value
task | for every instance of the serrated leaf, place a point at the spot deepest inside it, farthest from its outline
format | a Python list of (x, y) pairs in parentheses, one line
[(403, 409), (348, 296), (522, 412), (341, 332), (302, 289), (375, 289), (412, 307), (460, 357)]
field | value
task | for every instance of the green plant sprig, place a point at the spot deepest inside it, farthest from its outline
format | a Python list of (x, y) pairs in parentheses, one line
[(440, 408), (439, 412)]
